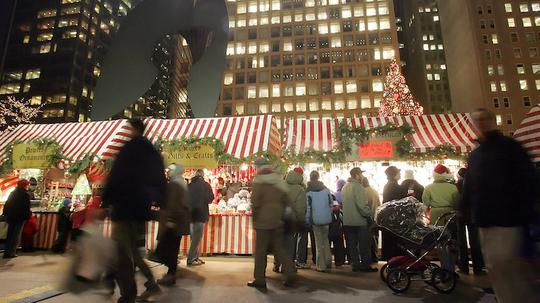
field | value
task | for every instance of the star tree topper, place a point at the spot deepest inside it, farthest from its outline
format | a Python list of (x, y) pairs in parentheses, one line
[(397, 98)]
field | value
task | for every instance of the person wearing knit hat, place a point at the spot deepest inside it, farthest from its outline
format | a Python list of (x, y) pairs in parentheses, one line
[(16, 211), (414, 189), (442, 197)]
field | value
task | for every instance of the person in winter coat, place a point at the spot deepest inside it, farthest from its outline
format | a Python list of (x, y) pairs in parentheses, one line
[(174, 218), (501, 195), (319, 216), (63, 228), (304, 232), (357, 218), (464, 226), (270, 207), (413, 188), (29, 230), (135, 184), (335, 235), (200, 193), (297, 196), (442, 197), (392, 191), (16, 211), (374, 202), (339, 191)]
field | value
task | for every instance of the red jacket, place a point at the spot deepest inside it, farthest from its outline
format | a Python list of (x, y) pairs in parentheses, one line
[(30, 227)]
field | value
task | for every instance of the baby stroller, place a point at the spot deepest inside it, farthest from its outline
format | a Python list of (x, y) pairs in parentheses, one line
[(405, 218)]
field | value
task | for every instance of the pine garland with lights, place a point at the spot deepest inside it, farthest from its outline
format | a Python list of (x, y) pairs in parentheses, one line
[(397, 98), (56, 156), (14, 112)]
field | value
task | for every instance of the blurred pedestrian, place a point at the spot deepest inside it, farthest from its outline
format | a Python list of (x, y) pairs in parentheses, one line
[(135, 184), (464, 227), (413, 188), (271, 205), (501, 193), (200, 193), (319, 216), (174, 218), (63, 227), (392, 191), (297, 196), (357, 219), (442, 197), (16, 211), (374, 202)]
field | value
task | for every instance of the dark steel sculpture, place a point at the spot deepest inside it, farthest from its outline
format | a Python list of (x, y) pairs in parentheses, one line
[(128, 71)]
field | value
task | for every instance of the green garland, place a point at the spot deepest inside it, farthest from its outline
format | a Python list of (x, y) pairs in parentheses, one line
[(56, 156), (347, 136), (82, 164)]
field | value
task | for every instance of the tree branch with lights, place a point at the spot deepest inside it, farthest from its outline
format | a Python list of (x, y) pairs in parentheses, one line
[(14, 112)]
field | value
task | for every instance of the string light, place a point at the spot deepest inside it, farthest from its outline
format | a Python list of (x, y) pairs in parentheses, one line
[(397, 98), (14, 112)]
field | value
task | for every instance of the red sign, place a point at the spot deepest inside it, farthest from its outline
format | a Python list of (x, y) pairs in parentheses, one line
[(376, 150)]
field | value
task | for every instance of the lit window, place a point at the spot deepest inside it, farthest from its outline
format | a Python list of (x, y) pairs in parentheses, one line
[(338, 87), (535, 6), (500, 70), (377, 102), (426, 47), (383, 9), (301, 106), (378, 85), (371, 11), (288, 107), (276, 108), (346, 12), (253, 21), (523, 85), (352, 104), (252, 6), (230, 49), (508, 7), (537, 82), (493, 86), (300, 89), (310, 17), (433, 47), (252, 92), (69, 34), (494, 39), (276, 5), (275, 90), (503, 86), (428, 66), (335, 42), (53, 113), (322, 15), (520, 69), (491, 70), (339, 105), (33, 74), (536, 69), (287, 19), (287, 46), (252, 47), (12, 88), (241, 22), (537, 21), (240, 109), (365, 102), (351, 86), (440, 47), (97, 71), (523, 7), (275, 20), (263, 92), (46, 13), (358, 11), (228, 79), (323, 28), (335, 27), (289, 91), (376, 54), (263, 108), (314, 105), (372, 24), (26, 39), (264, 47), (526, 22), (437, 77), (240, 48), (435, 18), (511, 22), (388, 53), (310, 3), (47, 36), (425, 37), (241, 8), (326, 105), (35, 100), (498, 118), (298, 18), (384, 23), (26, 87), (429, 77)]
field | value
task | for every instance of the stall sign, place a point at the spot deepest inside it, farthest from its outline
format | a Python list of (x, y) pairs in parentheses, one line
[(378, 147), (31, 155), (191, 157)]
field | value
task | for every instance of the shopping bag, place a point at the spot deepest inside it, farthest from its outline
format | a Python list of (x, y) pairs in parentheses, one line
[(94, 256)]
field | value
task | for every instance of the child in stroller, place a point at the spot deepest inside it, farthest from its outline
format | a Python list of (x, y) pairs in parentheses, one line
[(405, 218)]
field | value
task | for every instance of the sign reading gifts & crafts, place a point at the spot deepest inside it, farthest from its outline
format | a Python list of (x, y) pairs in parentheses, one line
[(31, 155), (378, 147), (190, 156)]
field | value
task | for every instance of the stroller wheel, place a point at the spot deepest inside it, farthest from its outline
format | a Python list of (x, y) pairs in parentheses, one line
[(443, 281), (398, 280), (384, 272)]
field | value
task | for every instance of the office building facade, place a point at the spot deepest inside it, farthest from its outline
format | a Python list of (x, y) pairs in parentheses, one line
[(493, 56), (423, 53), (307, 58)]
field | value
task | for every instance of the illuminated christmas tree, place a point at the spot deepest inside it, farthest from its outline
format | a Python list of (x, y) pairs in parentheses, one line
[(397, 98), (14, 112)]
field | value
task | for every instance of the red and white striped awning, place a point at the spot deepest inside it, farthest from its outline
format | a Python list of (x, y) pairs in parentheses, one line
[(102, 139), (528, 133), (242, 136), (431, 131)]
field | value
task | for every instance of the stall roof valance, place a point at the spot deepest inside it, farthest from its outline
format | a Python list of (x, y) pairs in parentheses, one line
[(102, 139), (242, 136), (430, 131), (528, 133)]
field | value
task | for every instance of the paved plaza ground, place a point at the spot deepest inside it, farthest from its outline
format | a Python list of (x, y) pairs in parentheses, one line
[(33, 278)]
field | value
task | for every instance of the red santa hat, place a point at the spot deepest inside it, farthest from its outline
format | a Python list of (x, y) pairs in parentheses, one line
[(298, 170), (441, 169)]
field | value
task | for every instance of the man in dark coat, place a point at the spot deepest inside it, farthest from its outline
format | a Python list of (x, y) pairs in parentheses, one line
[(392, 191), (200, 193), (136, 183), (16, 211), (500, 195)]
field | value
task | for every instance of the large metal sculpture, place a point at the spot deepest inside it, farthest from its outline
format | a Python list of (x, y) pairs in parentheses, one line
[(128, 70)]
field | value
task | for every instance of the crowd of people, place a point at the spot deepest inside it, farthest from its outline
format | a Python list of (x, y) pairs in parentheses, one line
[(495, 197)]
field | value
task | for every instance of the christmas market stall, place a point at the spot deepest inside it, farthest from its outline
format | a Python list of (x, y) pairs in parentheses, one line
[(528, 134), (57, 158), (417, 143), (225, 148)]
